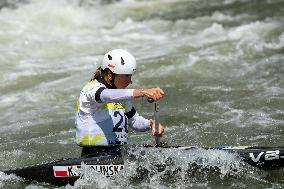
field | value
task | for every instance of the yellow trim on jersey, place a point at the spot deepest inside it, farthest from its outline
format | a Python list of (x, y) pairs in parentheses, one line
[(114, 105), (87, 141), (77, 106), (90, 82)]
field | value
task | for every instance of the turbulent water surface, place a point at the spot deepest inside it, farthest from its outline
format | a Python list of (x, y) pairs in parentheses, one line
[(220, 63)]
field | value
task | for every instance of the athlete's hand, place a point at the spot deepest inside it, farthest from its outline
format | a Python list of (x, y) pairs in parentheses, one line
[(154, 93), (159, 133)]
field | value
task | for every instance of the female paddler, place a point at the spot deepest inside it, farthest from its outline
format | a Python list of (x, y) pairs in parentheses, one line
[(105, 106)]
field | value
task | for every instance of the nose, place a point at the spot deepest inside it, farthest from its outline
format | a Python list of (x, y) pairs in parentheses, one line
[(129, 79)]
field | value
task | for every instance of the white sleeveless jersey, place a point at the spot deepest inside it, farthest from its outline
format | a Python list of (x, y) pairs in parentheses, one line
[(100, 123)]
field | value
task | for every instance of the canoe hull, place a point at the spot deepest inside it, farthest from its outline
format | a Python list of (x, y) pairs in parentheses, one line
[(66, 171)]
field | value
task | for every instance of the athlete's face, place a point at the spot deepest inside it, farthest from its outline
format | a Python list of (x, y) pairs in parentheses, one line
[(121, 81)]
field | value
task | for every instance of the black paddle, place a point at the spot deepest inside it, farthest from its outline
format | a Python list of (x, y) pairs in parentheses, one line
[(156, 117)]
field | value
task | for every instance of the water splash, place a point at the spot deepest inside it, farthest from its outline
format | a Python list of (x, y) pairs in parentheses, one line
[(170, 168)]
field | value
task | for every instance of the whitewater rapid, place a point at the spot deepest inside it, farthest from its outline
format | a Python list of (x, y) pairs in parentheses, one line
[(219, 62)]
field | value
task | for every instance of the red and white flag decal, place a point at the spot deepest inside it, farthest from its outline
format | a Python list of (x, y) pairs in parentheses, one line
[(65, 171), (60, 173)]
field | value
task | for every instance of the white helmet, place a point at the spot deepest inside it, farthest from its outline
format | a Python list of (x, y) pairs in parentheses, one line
[(119, 61)]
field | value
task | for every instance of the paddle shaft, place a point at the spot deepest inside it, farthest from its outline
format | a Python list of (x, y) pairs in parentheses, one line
[(156, 117)]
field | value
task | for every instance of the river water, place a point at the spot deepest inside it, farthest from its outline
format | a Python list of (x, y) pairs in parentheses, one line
[(220, 62)]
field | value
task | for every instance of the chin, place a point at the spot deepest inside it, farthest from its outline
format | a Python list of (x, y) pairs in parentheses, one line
[(122, 87)]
